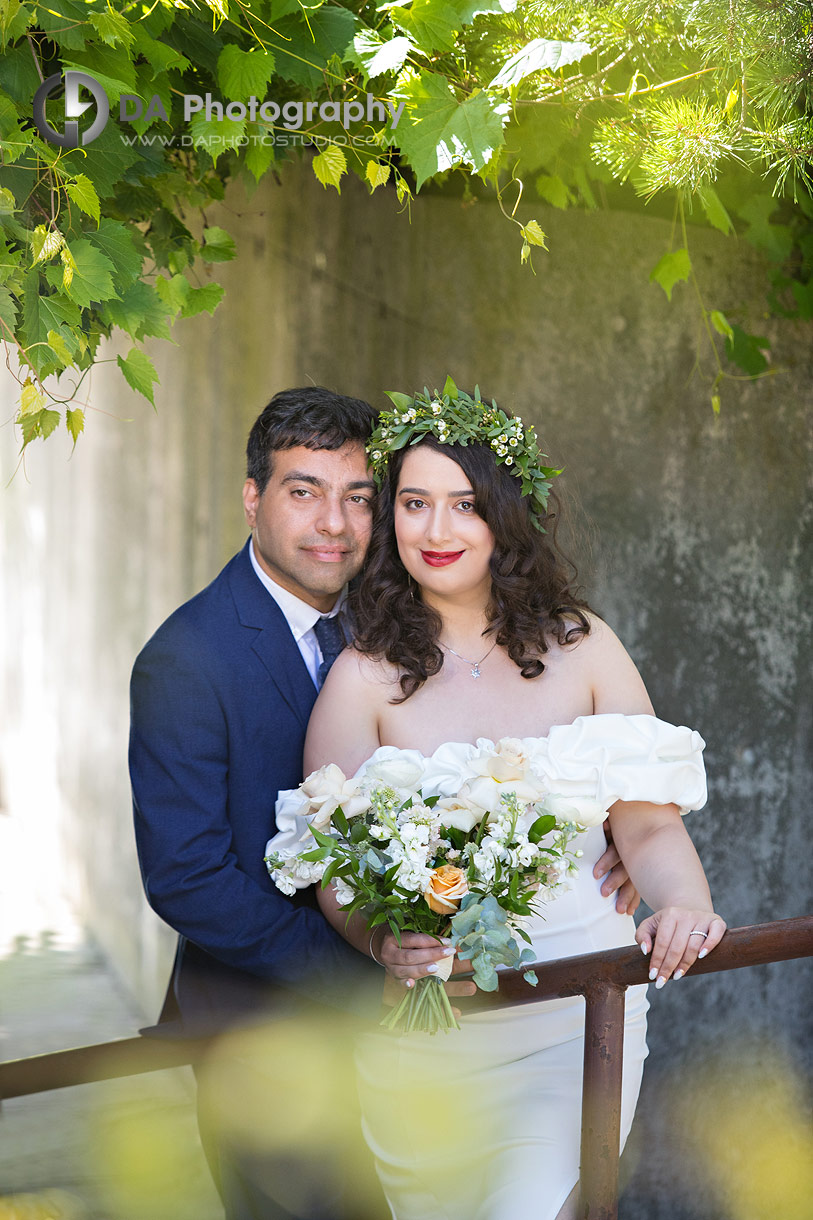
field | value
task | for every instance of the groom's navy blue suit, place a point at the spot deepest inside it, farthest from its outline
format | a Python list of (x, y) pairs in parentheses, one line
[(220, 700)]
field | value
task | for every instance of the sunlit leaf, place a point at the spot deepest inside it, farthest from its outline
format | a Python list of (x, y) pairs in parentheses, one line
[(218, 245), (329, 166), (377, 173), (139, 372), (75, 422), (244, 74), (541, 53), (83, 193), (669, 270)]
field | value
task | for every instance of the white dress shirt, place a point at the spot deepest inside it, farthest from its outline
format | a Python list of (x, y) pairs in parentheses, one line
[(299, 616)]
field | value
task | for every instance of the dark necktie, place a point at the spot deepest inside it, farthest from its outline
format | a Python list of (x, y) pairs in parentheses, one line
[(330, 637)]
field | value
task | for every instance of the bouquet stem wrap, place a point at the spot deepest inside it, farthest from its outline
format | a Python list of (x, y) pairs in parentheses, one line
[(425, 1008)]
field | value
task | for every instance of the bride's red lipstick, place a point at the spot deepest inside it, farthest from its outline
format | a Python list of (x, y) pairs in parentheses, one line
[(440, 559)]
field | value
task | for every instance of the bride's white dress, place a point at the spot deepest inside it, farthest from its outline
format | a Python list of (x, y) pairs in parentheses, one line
[(484, 1123)]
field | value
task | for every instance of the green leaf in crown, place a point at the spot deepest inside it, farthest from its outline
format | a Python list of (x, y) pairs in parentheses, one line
[(453, 417)]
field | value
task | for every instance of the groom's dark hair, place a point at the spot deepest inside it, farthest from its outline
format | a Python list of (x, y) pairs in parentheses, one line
[(311, 416)]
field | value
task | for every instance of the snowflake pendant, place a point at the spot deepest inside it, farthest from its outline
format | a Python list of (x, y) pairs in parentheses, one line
[(475, 671)]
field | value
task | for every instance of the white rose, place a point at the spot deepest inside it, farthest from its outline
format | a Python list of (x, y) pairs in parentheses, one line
[(397, 772), (454, 812), (510, 753), (584, 810), (486, 792), (328, 788)]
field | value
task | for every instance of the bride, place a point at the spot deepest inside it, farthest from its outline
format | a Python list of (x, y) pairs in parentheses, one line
[(468, 628)]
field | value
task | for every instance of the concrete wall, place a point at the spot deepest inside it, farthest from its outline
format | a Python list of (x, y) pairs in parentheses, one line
[(694, 531)]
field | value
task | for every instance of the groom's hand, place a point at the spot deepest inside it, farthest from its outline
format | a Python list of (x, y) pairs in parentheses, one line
[(617, 878)]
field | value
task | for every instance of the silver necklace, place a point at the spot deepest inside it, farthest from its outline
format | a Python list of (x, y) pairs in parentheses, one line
[(475, 665)]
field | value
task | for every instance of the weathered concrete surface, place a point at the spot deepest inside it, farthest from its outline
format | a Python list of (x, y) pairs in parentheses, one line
[(695, 536), (116, 1150)]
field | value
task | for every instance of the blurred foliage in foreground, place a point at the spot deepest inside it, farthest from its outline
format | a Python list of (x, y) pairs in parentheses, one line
[(702, 104)]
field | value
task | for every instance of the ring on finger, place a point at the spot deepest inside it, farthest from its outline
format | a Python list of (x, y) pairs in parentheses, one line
[(697, 932)]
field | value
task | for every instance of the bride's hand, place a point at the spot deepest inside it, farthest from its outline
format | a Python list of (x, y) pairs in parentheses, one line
[(680, 937), (416, 957)]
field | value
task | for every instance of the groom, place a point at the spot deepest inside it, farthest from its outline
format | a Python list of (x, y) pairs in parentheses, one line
[(220, 700)]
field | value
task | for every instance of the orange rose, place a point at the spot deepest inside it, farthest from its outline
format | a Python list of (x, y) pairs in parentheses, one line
[(447, 886)]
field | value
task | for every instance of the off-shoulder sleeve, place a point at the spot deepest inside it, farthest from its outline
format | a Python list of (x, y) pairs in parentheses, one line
[(627, 758)]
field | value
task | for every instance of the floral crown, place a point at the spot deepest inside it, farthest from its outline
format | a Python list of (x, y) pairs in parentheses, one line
[(455, 418)]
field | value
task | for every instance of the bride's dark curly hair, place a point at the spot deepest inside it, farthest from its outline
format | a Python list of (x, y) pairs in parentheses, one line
[(533, 595)]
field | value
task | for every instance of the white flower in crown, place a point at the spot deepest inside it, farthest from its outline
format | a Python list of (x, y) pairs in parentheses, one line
[(328, 788)]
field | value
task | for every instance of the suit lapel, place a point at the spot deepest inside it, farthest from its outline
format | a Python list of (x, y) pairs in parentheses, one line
[(273, 642)]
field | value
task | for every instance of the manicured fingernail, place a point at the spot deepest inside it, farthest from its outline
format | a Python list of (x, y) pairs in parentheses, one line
[(409, 983), (644, 948), (448, 952), (660, 983), (702, 953), (678, 974), (652, 973), (432, 968)]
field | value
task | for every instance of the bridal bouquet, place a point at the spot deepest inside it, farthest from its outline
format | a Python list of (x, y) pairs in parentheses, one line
[(467, 867)]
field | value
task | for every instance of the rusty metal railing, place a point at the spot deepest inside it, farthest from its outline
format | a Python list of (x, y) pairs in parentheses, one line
[(602, 978)]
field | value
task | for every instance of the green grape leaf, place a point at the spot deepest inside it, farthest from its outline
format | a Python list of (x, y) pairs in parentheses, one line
[(116, 242), (774, 240), (92, 278), (329, 166), (746, 351), (83, 193), (377, 57), (532, 233), (259, 154), (218, 245), (139, 312), (306, 46), (173, 291), (714, 209), (244, 74), (32, 400), (552, 189), (42, 423), (43, 313), (432, 24), (547, 53), (139, 372), (8, 204), (216, 136), (8, 314), (670, 269), (439, 132), (45, 243), (377, 173), (721, 324), (59, 347), (106, 161), (112, 27), (202, 300), (75, 422)]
